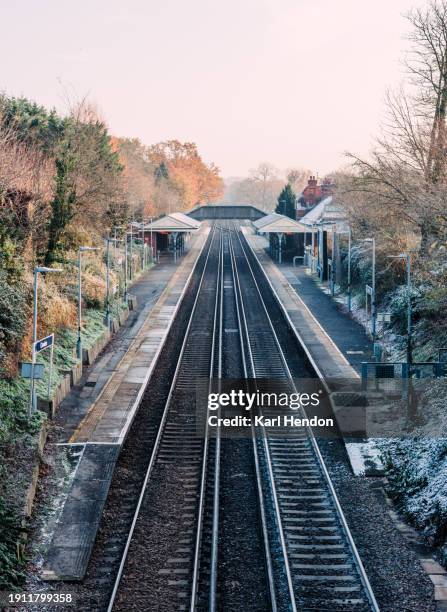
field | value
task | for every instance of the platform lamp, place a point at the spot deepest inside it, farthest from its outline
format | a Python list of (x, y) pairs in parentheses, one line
[(127, 268), (150, 219), (313, 249), (116, 227), (372, 241), (37, 270), (131, 251), (81, 250), (407, 258), (107, 314)]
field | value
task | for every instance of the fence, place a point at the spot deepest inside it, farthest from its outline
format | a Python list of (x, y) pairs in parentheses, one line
[(392, 377)]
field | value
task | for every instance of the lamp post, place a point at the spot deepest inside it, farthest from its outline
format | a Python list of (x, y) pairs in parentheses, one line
[(152, 244), (107, 315), (333, 261), (143, 244), (38, 270), (373, 287), (349, 270), (407, 258), (145, 223), (131, 252), (125, 268), (116, 227), (81, 250), (280, 237)]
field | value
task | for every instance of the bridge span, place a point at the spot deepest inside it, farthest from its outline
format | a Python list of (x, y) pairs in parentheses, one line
[(226, 211)]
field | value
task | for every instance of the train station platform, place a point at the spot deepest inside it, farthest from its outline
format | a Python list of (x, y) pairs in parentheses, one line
[(335, 344), (96, 418)]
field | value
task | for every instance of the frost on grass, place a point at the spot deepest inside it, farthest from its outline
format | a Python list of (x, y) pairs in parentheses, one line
[(417, 465)]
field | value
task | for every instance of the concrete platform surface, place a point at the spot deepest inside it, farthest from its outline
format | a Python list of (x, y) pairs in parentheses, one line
[(108, 401), (75, 533)]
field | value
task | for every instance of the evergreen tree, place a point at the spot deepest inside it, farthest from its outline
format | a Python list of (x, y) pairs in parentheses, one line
[(62, 205), (286, 202)]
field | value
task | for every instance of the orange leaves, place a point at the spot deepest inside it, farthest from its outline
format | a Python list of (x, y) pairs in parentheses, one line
[(194, 180)]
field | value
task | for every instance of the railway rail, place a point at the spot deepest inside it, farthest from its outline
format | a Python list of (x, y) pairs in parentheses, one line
[(320, 560), (179, 551)]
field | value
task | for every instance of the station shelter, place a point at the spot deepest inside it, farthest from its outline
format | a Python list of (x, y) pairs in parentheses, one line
[(283, 233), (169, 233), (325, 224)]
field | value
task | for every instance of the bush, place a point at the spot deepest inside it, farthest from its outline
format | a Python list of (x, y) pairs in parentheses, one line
[(10, 530), (396, 302), (14, 313), (56, 311), (14, 420), (16, 432)]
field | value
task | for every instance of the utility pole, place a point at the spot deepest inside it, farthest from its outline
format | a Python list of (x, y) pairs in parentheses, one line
[(81, 250)]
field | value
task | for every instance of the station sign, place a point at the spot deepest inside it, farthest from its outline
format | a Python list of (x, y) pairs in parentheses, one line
[(44, 343)]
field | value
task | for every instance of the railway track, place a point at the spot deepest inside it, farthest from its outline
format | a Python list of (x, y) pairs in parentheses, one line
[(182, 550), (319, 557), (178, 460)]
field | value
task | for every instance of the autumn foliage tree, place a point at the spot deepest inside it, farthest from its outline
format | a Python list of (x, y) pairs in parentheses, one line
[(194, 181)]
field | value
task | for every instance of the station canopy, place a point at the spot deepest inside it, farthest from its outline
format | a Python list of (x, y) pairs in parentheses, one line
[(174, 222), (325, 212), (278, 224)]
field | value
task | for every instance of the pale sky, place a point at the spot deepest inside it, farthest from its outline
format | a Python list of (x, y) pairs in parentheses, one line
[(292, 82)]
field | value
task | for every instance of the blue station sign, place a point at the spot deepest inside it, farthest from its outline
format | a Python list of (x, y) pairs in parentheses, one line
[(44, 343)]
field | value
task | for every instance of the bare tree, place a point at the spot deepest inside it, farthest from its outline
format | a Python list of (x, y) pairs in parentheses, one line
[(406, 175), (427, 65), (264, 175), (297, 177)]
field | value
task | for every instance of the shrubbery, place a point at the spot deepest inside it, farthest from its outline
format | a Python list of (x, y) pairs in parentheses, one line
[(10, 529), (417, 465), (14, 312)]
